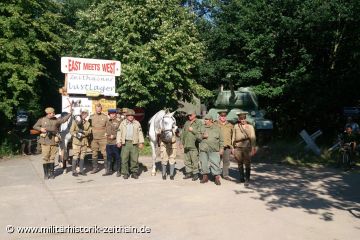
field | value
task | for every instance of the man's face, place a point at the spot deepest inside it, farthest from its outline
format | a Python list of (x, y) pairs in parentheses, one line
[(242, 119), (348, 130), (191, 117), (84, 115), (50, 115), (208, 122), (130, 118), (112, 115), (98, 110), (222, 117)]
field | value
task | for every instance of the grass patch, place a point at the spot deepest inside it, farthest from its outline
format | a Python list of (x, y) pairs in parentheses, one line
[(292, 153), (146, 151)]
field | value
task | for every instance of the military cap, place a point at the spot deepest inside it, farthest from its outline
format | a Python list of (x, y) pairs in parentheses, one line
[(111, 110), (241, 113), (98, 105), (49, 110), (190, 112), (208, 116), (130, 112), (124, 110), (84, 110)]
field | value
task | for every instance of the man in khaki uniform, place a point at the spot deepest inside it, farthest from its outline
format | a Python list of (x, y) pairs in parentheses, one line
[(211, 147), (98, 123), (244, 141), (168, 155), (49, 139), (130, 138), (112, 151), (80, 132), (189, 139), (226, 130)]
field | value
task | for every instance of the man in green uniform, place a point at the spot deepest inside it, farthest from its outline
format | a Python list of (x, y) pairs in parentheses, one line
[(49, 139), (244, 141), (112, 151), (80, 132), (189, 140), (226, 130), (98, 123), (211, 147), (130, 138)]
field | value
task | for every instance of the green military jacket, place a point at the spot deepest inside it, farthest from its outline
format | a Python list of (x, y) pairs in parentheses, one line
[(98, 125), (111, 130), (86, 132), (190, 140), (52, 126), (214, 142), (226, 130)]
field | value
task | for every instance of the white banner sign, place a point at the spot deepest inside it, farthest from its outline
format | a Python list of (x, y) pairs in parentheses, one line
[(90, 66), (81, 84)]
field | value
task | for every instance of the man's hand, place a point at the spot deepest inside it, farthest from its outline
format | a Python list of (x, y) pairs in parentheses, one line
[(221, 151), (190, 129), (111, 137), (232, 151), (118, 145), (253, 151), (141, 145), (43, 130)]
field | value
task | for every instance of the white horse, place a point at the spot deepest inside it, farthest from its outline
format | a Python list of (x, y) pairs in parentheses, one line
[(66, 136), (163, 125)]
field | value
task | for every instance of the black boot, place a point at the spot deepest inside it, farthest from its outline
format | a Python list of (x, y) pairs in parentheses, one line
[(81, 164), (172, 171), (46, 171), (52, 169), (247, 176), (73, 167), (195, 177), (241, 173), (95, 166), (163, 172), (107, 166), (187, 176)]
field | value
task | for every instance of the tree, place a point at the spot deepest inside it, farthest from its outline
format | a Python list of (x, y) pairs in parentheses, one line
[(156, 42), (30, 43), (295, 53)]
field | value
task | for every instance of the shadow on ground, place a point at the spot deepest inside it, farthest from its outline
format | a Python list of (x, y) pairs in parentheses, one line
[(316, 191)]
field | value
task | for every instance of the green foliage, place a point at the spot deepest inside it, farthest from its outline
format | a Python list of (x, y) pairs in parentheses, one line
[(157, 43), (302, 57), (29, 47)]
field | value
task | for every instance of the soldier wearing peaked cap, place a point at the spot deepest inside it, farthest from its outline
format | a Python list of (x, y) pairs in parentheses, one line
[(98, 122), (243, 140), (130, 138), (80, 131), (112, 151), (190, 141), (49, 139), (226, 130)]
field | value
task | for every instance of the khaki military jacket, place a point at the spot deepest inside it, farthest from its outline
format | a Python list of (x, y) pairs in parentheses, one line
[(227, 131), (111, 130), (190, 140), (243, 136), (98, 124), (138, 136), (214, 142), (52, 126), (86, 131)]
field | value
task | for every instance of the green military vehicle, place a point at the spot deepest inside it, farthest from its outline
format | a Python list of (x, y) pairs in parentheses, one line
[(244, 99)]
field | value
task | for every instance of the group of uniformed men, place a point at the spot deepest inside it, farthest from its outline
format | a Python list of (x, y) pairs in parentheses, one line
[(205, 144)]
